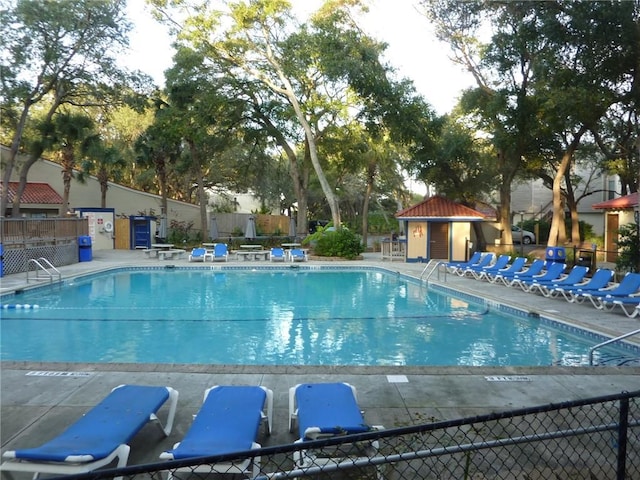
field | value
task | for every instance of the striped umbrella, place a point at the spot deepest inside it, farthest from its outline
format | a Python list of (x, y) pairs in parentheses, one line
[(250, 231), (213, 229)]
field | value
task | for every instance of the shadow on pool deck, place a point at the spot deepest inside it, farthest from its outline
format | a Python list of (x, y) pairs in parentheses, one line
[(36, 407)]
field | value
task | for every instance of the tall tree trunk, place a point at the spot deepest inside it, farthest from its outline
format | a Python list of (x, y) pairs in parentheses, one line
[(11, 162), (572, 205), (505, 194), (557, 233), (202, 194), (103, 179), (34, 157), (299, 174), (371, 177), (22, 182), (160, 165), (68, 162), (289, 92), (332, 200)]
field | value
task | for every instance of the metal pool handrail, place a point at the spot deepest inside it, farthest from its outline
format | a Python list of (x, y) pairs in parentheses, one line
[(433, 269), (607, 342), (47, 268)]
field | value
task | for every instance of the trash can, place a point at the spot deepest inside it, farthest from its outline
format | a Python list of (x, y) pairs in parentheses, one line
[(585, 259), (1, 261), (84, 248), (555, 255)]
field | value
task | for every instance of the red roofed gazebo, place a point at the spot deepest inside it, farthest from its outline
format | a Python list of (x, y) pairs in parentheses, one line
[(438, 228), (38, 199), (618, 211)]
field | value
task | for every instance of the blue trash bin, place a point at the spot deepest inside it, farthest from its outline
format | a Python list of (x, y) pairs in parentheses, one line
[(84, 248), (555, 255)]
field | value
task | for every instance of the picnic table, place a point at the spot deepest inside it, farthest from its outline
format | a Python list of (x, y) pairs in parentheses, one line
[(252, 251), (163, 251)]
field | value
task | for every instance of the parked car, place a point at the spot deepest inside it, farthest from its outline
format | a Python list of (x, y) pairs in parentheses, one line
[(522, 236)]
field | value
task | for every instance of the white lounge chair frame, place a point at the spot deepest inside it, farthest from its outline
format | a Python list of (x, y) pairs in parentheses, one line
[(83, 463), (249, 467), (303, 458)]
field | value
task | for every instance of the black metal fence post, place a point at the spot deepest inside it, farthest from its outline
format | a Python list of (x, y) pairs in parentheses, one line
[(622, 438)]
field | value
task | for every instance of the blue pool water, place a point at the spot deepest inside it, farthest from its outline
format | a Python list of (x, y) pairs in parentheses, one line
[(272, 317)]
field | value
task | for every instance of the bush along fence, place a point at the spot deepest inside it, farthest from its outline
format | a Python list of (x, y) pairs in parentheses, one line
[(585, 439)]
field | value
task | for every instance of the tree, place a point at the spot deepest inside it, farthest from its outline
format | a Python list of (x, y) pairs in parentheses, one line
[(58, 52), (462, 166), (74, 136), (502, 104), (629, 245), (159, 147), (299, 78), (106, 162), (579, 79)]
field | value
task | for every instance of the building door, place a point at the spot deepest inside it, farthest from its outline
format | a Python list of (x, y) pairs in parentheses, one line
[(439, 240), (612, 237), (140, 232)]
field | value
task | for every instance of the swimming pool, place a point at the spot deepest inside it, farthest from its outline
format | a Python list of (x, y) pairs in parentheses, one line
[(272, 316)]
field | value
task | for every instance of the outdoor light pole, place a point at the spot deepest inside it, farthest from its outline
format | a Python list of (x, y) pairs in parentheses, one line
[(521, 233), (636, 217)]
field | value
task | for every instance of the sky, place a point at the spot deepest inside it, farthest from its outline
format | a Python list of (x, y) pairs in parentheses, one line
[(412, 48)]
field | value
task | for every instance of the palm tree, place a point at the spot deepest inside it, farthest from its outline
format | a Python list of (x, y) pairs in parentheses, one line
[(75, 136)]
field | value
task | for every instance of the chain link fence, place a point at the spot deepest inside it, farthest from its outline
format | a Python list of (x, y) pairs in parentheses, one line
[(597, 438)]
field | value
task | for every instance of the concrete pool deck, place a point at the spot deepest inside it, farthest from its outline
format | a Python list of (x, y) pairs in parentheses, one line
[(38, 400)]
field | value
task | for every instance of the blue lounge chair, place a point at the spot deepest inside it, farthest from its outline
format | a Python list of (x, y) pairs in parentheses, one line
[(535, 268), (228, 421), (277, 254), (298, 255), (479, 272), (575, 276), (629, 285), (600, 279), (453, 266), (199, 254), (630, 305), (517, 266), (525, 282), (324, 410), (220, 252), (100, 436), (485, 261)]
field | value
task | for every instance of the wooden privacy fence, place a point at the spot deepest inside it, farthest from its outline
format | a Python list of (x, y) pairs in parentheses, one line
[(231, 224), (55, 239)]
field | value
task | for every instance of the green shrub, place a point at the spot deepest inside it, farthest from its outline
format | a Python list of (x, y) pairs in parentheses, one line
[(629, 245), (342, 243)]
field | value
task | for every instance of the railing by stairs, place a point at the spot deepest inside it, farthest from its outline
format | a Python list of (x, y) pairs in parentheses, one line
[(431, 267), (44, 269), (611, 340)]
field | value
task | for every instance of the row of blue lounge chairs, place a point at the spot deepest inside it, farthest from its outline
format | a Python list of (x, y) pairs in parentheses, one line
[(220, 252), (228, 421), (551, 280)]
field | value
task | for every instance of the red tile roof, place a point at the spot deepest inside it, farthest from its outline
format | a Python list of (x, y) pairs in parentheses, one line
[(620, 203), (440, 207), (35, 193)]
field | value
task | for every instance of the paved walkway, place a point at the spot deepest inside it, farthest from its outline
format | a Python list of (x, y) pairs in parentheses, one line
[(35, 406)]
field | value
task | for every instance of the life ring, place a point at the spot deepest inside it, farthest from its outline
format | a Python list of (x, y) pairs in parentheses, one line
[(108, 227)]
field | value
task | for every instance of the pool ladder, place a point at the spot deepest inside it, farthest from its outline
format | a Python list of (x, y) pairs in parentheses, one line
[(42, 267), (432, 266), (611, 340)]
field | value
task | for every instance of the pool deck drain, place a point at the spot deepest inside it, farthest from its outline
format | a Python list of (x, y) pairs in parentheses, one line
[(397, 379), (36, 407)]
